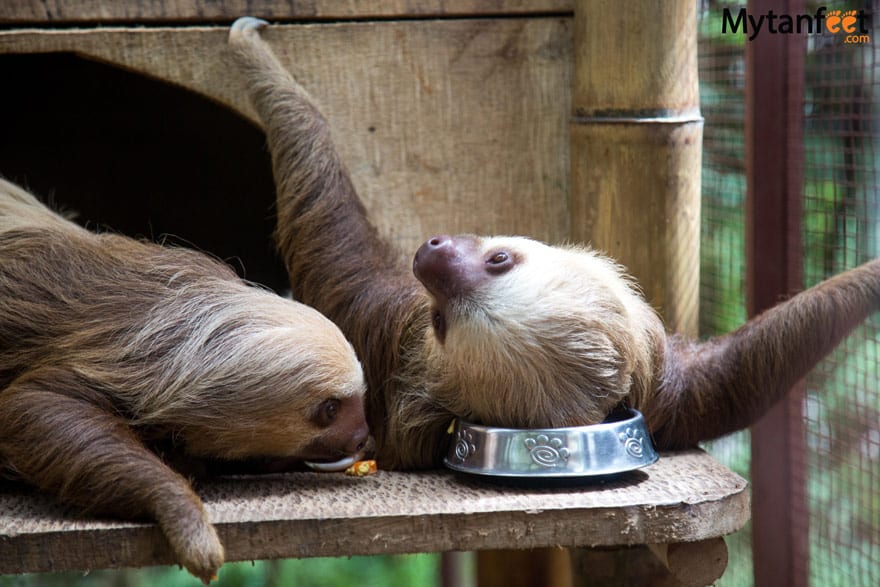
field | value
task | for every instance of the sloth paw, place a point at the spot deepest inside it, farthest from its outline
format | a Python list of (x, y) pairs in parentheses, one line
[(246, 25), (198, 549)]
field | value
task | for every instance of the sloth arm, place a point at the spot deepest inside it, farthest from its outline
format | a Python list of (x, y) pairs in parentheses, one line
[(725, 384), (336, 260), (67, 444)]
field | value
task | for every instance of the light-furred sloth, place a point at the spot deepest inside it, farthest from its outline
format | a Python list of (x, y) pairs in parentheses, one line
[(110, 346), (509, 331)]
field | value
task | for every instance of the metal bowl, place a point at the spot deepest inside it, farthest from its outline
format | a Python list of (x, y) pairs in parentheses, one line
[(621, 443)]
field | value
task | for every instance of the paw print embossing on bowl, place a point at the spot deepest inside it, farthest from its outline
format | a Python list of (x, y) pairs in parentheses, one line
[(464, 445), (632, 442), (547, 451)]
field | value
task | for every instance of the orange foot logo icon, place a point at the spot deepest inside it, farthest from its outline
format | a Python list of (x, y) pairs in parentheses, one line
[(838, 19)]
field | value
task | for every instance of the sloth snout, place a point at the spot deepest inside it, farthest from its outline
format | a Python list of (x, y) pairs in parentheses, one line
[(447, 266), (358, 441), (433, 265), (437, 249)]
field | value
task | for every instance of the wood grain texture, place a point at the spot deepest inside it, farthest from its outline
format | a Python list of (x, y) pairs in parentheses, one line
[(684, 497), (69, 11), (447, 126), (548, 567), (693, 564), (638, 59), (639, 201)]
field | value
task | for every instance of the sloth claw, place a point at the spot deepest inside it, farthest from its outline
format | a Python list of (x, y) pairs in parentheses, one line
[(196, 545), (204, 562), (247, 25)]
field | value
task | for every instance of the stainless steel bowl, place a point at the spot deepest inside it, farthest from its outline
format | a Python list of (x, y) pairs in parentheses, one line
[(621, 443)]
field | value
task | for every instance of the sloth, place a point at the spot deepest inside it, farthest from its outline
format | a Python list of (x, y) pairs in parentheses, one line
[(113, 348), (507, 331)]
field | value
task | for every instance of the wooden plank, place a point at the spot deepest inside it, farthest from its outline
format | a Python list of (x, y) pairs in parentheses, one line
[(446, 126), (684, 497), (144, 11), (774, 170)]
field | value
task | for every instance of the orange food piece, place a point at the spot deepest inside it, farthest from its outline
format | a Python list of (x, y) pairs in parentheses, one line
[(362, 468)]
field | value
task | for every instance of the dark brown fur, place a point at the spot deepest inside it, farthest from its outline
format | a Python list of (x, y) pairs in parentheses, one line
[(109, 345), (580, 342)]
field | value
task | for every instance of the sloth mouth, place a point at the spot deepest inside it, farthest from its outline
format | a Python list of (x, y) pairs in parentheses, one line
[(438, 322), (340, 464), (332, 466)]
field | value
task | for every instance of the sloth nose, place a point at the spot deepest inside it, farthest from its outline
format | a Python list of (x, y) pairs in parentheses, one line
[(439, 264), (438, 241), (440, 247), (449, 266), (432, 261), (358, 441)]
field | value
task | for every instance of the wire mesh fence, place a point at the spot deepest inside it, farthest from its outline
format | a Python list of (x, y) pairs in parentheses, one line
[(722, 242), (841, 190), (841, 212)]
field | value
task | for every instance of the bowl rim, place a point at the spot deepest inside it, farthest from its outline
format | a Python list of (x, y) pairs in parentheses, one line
[(618, 424)]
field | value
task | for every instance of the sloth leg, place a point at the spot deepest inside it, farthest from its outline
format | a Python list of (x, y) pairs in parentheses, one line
[(89, 457)]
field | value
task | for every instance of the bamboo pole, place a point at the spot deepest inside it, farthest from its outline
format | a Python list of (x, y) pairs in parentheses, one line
[(636, 141)]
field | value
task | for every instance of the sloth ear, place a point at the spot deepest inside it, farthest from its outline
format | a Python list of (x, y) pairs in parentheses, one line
[(724, 384)]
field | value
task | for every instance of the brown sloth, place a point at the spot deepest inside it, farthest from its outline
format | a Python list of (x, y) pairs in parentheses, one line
[(110, 346), (505, 330)]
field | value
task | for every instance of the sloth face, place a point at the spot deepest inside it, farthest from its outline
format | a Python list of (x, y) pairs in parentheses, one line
[(530, 335), (258, 376)]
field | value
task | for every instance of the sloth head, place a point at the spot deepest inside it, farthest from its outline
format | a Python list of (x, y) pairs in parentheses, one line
[(528, 335), (250, 374)]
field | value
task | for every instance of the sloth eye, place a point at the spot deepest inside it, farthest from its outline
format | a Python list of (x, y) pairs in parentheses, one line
[(327, 411), (499, 262)]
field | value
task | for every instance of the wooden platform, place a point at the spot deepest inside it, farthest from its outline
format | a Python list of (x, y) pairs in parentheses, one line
[(684, 497)]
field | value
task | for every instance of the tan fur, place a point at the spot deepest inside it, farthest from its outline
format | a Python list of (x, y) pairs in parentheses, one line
[(496, 354), (511, 332), (108, 344)]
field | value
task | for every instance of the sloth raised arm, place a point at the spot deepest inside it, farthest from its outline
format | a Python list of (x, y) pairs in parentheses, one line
[(336, 260), (508, 331)]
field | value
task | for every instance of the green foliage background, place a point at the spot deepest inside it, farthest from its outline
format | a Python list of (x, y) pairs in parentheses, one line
[(375, 571)]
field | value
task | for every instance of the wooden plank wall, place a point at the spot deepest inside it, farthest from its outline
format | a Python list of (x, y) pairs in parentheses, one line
[(146, 11), (451, 125)]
